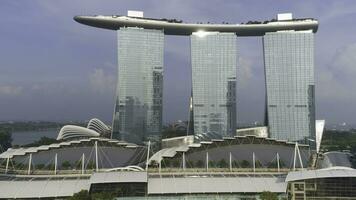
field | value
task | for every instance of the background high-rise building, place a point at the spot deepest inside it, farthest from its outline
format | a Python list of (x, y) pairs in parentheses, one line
[(213, 57), (138, 109), (289, 70)]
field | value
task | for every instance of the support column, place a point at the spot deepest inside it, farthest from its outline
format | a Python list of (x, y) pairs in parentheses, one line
[(183, 161), (55, 164), (230, 161), (83, 163), (96, 157), (299, 156), (254, 163), (148, 154), (160, 166), (29, 164), (207, 161), (278, 167), (7, 164)]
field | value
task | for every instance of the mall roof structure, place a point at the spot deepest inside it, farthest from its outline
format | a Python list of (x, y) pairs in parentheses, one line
[(11, 152), (335, 159), (241, 147), (335, 172)]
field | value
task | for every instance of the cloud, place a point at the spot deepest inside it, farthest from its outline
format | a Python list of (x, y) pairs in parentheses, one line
[(336, 80), (102, 82), (8, 90), (345, 61), (244, 72)]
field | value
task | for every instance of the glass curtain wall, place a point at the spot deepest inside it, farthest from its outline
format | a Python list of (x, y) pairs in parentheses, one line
[(138, 109), (289, 71), (214, 62)]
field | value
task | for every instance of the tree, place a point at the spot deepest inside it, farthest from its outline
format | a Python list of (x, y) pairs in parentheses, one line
[(212, 164), (258, 164), (171, 131), (66, 164), (165, 163), (39, 166), (50, 166), (42, 141), (176, 163), (235, 164), (82, 195), (274, 164), (267, 195), (190, 164), (199, 164), (5, 139), (245, 164), (103, 196), (85, 195), (222, 163), (91, 165), (19, 166)]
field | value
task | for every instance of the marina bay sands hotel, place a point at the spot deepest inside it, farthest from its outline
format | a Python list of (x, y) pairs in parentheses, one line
[(288, 47)]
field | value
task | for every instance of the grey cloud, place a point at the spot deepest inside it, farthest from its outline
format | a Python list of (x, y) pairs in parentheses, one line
[(102, 82), (9, 90), (345, 61), (244, 72)]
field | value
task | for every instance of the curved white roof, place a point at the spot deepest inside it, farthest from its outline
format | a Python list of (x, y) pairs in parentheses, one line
[(71, 131), (98, 126)]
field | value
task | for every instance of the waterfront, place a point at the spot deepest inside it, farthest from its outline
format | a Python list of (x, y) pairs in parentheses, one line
[(26, 137)]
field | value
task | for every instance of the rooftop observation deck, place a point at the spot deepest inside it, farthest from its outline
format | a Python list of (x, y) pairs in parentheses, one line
[(177, 27)]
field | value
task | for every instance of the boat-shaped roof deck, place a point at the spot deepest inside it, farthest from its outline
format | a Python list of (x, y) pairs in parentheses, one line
[(177, 27)]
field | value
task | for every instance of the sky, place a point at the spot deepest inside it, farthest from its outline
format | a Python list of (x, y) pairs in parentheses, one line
[(55, 69)]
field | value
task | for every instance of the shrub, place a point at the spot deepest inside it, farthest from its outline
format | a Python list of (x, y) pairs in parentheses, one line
[(66, 164), (267, 195), (82, 195), (199, 164), (245, 164), (222, 163)]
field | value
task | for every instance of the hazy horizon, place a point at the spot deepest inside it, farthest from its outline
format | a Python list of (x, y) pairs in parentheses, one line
[(54, 69)]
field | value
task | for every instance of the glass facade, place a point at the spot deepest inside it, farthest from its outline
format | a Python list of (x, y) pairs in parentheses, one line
[(138, 109), (289, 71), (213, 57), (323, 188)]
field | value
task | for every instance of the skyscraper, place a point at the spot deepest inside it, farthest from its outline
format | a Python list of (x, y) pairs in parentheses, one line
[(138, 109), (213, 57), (289, 71)]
